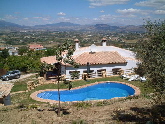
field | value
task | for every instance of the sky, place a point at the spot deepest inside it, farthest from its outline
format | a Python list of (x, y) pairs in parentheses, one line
[(40, 12)]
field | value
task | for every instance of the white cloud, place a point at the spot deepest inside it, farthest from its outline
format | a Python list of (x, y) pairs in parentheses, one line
[(126, 19), (17, 12), (10, 17), (106, 18), (91, 7), (102, 11), (106, 2), (42, 18), (61, 14), (63, 19), (131, 12), (152, 3), (37, 17), (160, 12), (25, 18), (45, 19)]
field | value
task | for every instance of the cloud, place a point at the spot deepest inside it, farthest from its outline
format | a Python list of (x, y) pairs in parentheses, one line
[(91, 7), (45, 19), (25, 18), (102, 11), (105, 18), (10, 17), (128, 11), (63, 19), (152, 3), (17, 12), (42, 18), (37, 17), (106, 2), (61, 14), (118, 19), (159, 12), (131, 12)]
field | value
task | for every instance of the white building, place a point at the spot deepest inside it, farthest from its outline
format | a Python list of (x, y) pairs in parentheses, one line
[(101, 58)]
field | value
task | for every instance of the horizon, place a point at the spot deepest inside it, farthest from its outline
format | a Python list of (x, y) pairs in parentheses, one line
[(83, 12), (99, 23)]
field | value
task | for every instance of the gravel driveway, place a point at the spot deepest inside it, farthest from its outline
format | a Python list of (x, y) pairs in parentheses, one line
[(21, 77)]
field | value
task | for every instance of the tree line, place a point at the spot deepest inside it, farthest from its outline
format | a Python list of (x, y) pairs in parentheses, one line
[(26, 61)]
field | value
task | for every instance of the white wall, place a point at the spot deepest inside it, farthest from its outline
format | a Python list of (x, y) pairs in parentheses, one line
[(108, 68), (131, 64), (122, 52), (128, 55)]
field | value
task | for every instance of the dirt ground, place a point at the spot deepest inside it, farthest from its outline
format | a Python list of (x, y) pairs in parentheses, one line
[(118, 112), (21, 77)]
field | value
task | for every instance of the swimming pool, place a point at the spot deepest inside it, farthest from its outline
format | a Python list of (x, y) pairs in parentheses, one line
[(107, 90)]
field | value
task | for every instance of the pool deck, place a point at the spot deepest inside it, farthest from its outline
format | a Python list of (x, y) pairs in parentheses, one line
[(34, 95)]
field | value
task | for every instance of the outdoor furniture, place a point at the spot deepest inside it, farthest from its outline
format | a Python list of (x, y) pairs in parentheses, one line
[(134, 78), (143, 79), (125, 76)]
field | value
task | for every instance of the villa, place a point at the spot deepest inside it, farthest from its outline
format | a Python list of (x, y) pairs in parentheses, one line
[(35, 47), (99, 58)]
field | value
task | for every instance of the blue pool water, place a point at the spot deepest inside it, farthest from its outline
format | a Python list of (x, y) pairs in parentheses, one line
[(100, 91)]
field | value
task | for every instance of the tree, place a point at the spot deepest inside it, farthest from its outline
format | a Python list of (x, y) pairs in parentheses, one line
[(67, 49), (23, 50), (151, 53), (50, 52), (4, 54)]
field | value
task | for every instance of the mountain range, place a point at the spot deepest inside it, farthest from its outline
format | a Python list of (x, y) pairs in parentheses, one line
[(67, 26)]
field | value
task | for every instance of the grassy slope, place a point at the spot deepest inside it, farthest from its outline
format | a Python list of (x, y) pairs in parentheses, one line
[(24, 98)]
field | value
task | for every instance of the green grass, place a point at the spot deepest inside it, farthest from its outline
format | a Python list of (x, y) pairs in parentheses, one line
[(19, 86), (24, 98)]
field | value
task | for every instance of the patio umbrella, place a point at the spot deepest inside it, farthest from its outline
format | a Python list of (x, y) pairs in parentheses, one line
[(88, 68)]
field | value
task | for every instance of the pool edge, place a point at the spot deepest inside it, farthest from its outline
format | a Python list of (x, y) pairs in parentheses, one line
[(34, 95)]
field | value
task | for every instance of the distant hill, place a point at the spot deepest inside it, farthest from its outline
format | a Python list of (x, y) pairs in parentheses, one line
[(67, 26), (132, 28), (4, 24), (105, 27), (61, 24)]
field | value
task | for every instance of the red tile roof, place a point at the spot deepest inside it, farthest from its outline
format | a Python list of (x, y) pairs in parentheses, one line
[(93, 58), (49, 59), (105, 57), (35, 46)]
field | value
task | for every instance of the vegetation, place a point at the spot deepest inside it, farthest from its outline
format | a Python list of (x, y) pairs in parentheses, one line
[(21, 86), (68, 48), (29, 61), (150, 52), (26, 103), (75, 75)]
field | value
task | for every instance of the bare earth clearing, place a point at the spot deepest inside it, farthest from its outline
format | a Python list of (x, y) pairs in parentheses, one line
[(21, 77), (124, 111)]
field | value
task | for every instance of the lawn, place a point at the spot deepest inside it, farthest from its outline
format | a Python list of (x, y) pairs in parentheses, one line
[(125, 110), (24, 98)]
